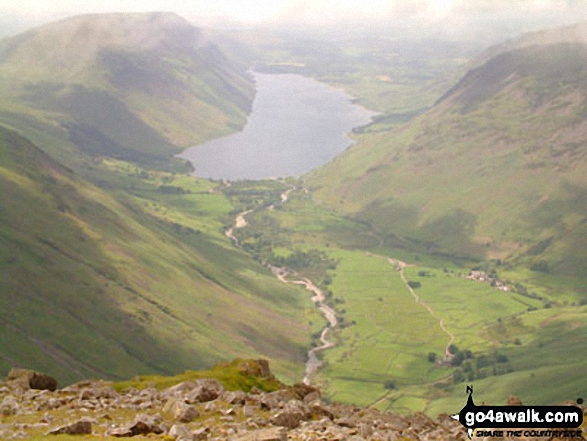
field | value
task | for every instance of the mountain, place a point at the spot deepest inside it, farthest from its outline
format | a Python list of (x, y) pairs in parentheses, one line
[(110, 267), (139, 87), (97, 284), (497, 168), (576, 33)]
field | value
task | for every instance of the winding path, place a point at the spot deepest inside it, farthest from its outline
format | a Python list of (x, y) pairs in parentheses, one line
[(451, 337), (285, 275)]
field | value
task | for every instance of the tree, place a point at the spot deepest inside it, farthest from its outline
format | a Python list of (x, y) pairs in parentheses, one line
[(390, 384), (432, 357)]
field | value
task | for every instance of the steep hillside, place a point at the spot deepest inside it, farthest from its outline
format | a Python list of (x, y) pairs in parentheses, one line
[(134, 86), (115, 285), (568, 34), (496, 169)]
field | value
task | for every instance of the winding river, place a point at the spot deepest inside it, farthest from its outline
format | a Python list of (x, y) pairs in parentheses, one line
[(285, 275)]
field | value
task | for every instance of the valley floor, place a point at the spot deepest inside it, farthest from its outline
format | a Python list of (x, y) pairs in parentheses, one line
[(413, 329)]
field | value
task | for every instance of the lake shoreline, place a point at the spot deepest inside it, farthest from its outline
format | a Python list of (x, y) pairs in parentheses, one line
[(296, 124)]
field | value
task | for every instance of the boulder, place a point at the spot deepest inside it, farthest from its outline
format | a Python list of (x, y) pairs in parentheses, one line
[(97, 391), (181, 432), (249, 411), (236, 397), (142, 425), (301, 391), (317, 410), (201, 434), (270, 434), (206, 390), (291, 416), (179, 389), (42, 382), (29, 379), (182, 412), (256, 368), (276, 400), (79, 428), (9, 406)]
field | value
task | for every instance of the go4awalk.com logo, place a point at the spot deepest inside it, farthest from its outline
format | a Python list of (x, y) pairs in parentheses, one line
[(517, 421)]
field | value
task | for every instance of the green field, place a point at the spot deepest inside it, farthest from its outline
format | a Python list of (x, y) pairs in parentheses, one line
[(385, 337)]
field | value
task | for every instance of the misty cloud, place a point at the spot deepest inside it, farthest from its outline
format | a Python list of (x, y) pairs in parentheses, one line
[(522, 15)]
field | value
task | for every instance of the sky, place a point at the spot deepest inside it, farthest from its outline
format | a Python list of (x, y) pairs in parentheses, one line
[(16, 15)]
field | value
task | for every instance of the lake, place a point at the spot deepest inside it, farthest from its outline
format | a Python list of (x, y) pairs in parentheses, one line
[(296, 124)]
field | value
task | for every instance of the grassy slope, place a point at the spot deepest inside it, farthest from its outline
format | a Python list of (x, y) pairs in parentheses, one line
[(135, 86), (493, 169), (139, 268), (116, 284)]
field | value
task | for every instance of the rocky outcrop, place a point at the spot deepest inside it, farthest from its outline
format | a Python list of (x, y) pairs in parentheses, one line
[(202, 410), (78, 428), (29, 379), (272, 434)]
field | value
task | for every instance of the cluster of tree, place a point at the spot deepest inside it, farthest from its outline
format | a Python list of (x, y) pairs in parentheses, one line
[(183, 229), (247, 196), (390, 385), (172, 189), (474, 367), (299, 260)]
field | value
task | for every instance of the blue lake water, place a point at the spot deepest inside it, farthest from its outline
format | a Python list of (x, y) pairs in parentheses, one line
[(296, 124)]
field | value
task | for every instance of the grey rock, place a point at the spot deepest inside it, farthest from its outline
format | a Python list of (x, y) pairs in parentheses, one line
[(78, 428), (236, 397), (248, 411), (290, 418), (142, 425), (181, 432), (275, 400), (187, 414), (201, 434), (206, 390), (9, 406), (270, 434), (181, 411), (29, 379), (179, 389)]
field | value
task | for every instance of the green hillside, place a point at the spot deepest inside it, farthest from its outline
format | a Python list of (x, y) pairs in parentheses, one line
[(496, 169), (119, 284), (138, 87)]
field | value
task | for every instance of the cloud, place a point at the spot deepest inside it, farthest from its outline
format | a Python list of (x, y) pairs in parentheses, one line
[(313, 11)]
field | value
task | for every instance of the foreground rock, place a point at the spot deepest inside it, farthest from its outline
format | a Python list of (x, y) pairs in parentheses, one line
[(272, 434), (201, 410), (79, 428), (29, 379)]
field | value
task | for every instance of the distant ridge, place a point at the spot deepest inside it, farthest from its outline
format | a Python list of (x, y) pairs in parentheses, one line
[(133, 86)]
